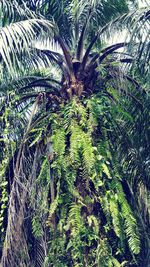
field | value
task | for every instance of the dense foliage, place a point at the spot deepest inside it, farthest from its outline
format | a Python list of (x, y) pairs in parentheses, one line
[(74, 173)]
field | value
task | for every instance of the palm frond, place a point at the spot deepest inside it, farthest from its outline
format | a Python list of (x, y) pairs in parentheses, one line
[(19, 37), (13, 12)]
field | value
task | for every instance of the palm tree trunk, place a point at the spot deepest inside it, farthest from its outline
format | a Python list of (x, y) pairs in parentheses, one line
[(15, 251)]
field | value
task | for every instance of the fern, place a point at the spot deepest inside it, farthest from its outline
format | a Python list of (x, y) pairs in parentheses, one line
[(58, 139), (75, 143), (74, 219), (88, 153), (36, 227), (105, 257), (92, 221), (106, 170), (114, 210), (104, 254)]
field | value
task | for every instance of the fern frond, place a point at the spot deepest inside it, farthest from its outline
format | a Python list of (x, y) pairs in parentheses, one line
[(114, 209), (58, 139), (74, 218), (88, 152), (36, 227), (93, 221), (75, 143)]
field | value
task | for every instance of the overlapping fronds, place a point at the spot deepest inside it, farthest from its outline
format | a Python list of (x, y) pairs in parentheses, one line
[(12, 11), (18, 38), (76, 122)]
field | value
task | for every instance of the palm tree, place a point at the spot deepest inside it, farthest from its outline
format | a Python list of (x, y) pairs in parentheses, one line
[(72, 100)]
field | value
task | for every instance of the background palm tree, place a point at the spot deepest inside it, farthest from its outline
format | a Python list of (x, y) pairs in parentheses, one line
[(70, 167)]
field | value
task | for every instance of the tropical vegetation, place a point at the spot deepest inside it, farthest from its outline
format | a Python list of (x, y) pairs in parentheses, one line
[(74, 133)]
